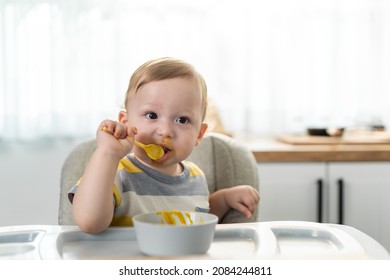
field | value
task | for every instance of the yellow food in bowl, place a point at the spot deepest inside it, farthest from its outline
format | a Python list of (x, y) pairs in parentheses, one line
[(175, 217)]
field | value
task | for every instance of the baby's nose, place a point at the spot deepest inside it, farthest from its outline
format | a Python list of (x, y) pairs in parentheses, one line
[(165, 129)]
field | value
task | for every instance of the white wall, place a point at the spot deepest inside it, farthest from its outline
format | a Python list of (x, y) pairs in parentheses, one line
[(30, 181)]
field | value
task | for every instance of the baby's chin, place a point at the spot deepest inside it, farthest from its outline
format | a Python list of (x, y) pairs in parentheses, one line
[(158, 165)]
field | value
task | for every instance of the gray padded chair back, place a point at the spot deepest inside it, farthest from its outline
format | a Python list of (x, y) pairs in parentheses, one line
[(224, 161)]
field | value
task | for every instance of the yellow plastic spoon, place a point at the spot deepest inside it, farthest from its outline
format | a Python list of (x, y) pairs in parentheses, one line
[(153, 151)]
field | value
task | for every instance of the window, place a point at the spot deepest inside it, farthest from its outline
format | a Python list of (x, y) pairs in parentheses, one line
[(271, 66)]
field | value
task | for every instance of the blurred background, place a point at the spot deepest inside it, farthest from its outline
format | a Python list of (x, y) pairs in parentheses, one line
[(271, 67)]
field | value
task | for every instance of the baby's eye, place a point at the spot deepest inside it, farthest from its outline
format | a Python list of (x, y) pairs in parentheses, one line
[(183, 120), (151, 115)]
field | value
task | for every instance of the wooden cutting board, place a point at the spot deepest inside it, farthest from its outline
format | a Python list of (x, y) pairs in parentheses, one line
[(369, 137)]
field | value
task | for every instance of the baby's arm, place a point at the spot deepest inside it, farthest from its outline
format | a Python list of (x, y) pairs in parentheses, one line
[(93, 206), (242, 198)]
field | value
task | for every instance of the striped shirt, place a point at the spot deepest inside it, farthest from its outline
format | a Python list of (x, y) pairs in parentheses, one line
[(139, 189)]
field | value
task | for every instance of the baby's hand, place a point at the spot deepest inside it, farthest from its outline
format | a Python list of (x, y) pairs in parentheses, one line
[(115, 137), (242, 198)]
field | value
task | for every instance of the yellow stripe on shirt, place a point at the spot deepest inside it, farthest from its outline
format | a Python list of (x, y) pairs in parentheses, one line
[(122, 221), (194, 169), (117, 196)]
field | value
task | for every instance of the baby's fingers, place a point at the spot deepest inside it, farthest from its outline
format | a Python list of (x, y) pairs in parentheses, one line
[(250, 202), (107, 126), (118, 130), (255, 195), (131, 132), (242, 208)]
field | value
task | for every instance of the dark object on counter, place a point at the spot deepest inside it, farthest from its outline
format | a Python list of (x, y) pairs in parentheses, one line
[(333, 132), (378, 127)]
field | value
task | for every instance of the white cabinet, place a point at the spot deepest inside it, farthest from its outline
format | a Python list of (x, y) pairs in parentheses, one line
[(290, 191), (355, 194), (360, 197)]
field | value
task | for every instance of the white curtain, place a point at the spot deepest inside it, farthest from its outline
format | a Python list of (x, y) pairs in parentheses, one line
[(272, 67)]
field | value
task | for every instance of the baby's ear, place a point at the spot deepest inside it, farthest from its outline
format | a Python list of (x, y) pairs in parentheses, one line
[(122, 117), (202, 131)]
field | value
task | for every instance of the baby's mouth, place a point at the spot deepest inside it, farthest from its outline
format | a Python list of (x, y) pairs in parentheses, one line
[(166, 150), (167, 154)]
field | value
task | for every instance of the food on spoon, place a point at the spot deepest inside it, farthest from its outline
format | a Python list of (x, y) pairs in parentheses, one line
[(153, 151)]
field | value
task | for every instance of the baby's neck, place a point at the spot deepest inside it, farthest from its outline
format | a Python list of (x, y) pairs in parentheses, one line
[(170, 170)]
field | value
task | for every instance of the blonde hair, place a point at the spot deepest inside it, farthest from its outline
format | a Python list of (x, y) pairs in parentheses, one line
[(166, 68)]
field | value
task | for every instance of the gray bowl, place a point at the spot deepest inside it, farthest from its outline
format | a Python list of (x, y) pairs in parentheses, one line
[(158, 239)]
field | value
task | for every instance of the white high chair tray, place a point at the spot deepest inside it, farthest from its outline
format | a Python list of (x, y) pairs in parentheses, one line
[(264, 240)]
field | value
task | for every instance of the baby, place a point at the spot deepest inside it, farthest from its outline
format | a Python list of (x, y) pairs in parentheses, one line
[(165, 105)]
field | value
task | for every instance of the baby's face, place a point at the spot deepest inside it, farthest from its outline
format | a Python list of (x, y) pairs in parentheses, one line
[(167, 113)]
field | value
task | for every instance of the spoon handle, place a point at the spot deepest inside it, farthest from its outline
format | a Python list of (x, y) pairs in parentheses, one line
[(139, 144)]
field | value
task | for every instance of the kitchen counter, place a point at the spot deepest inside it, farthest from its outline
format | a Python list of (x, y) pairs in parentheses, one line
[(271, 149)]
